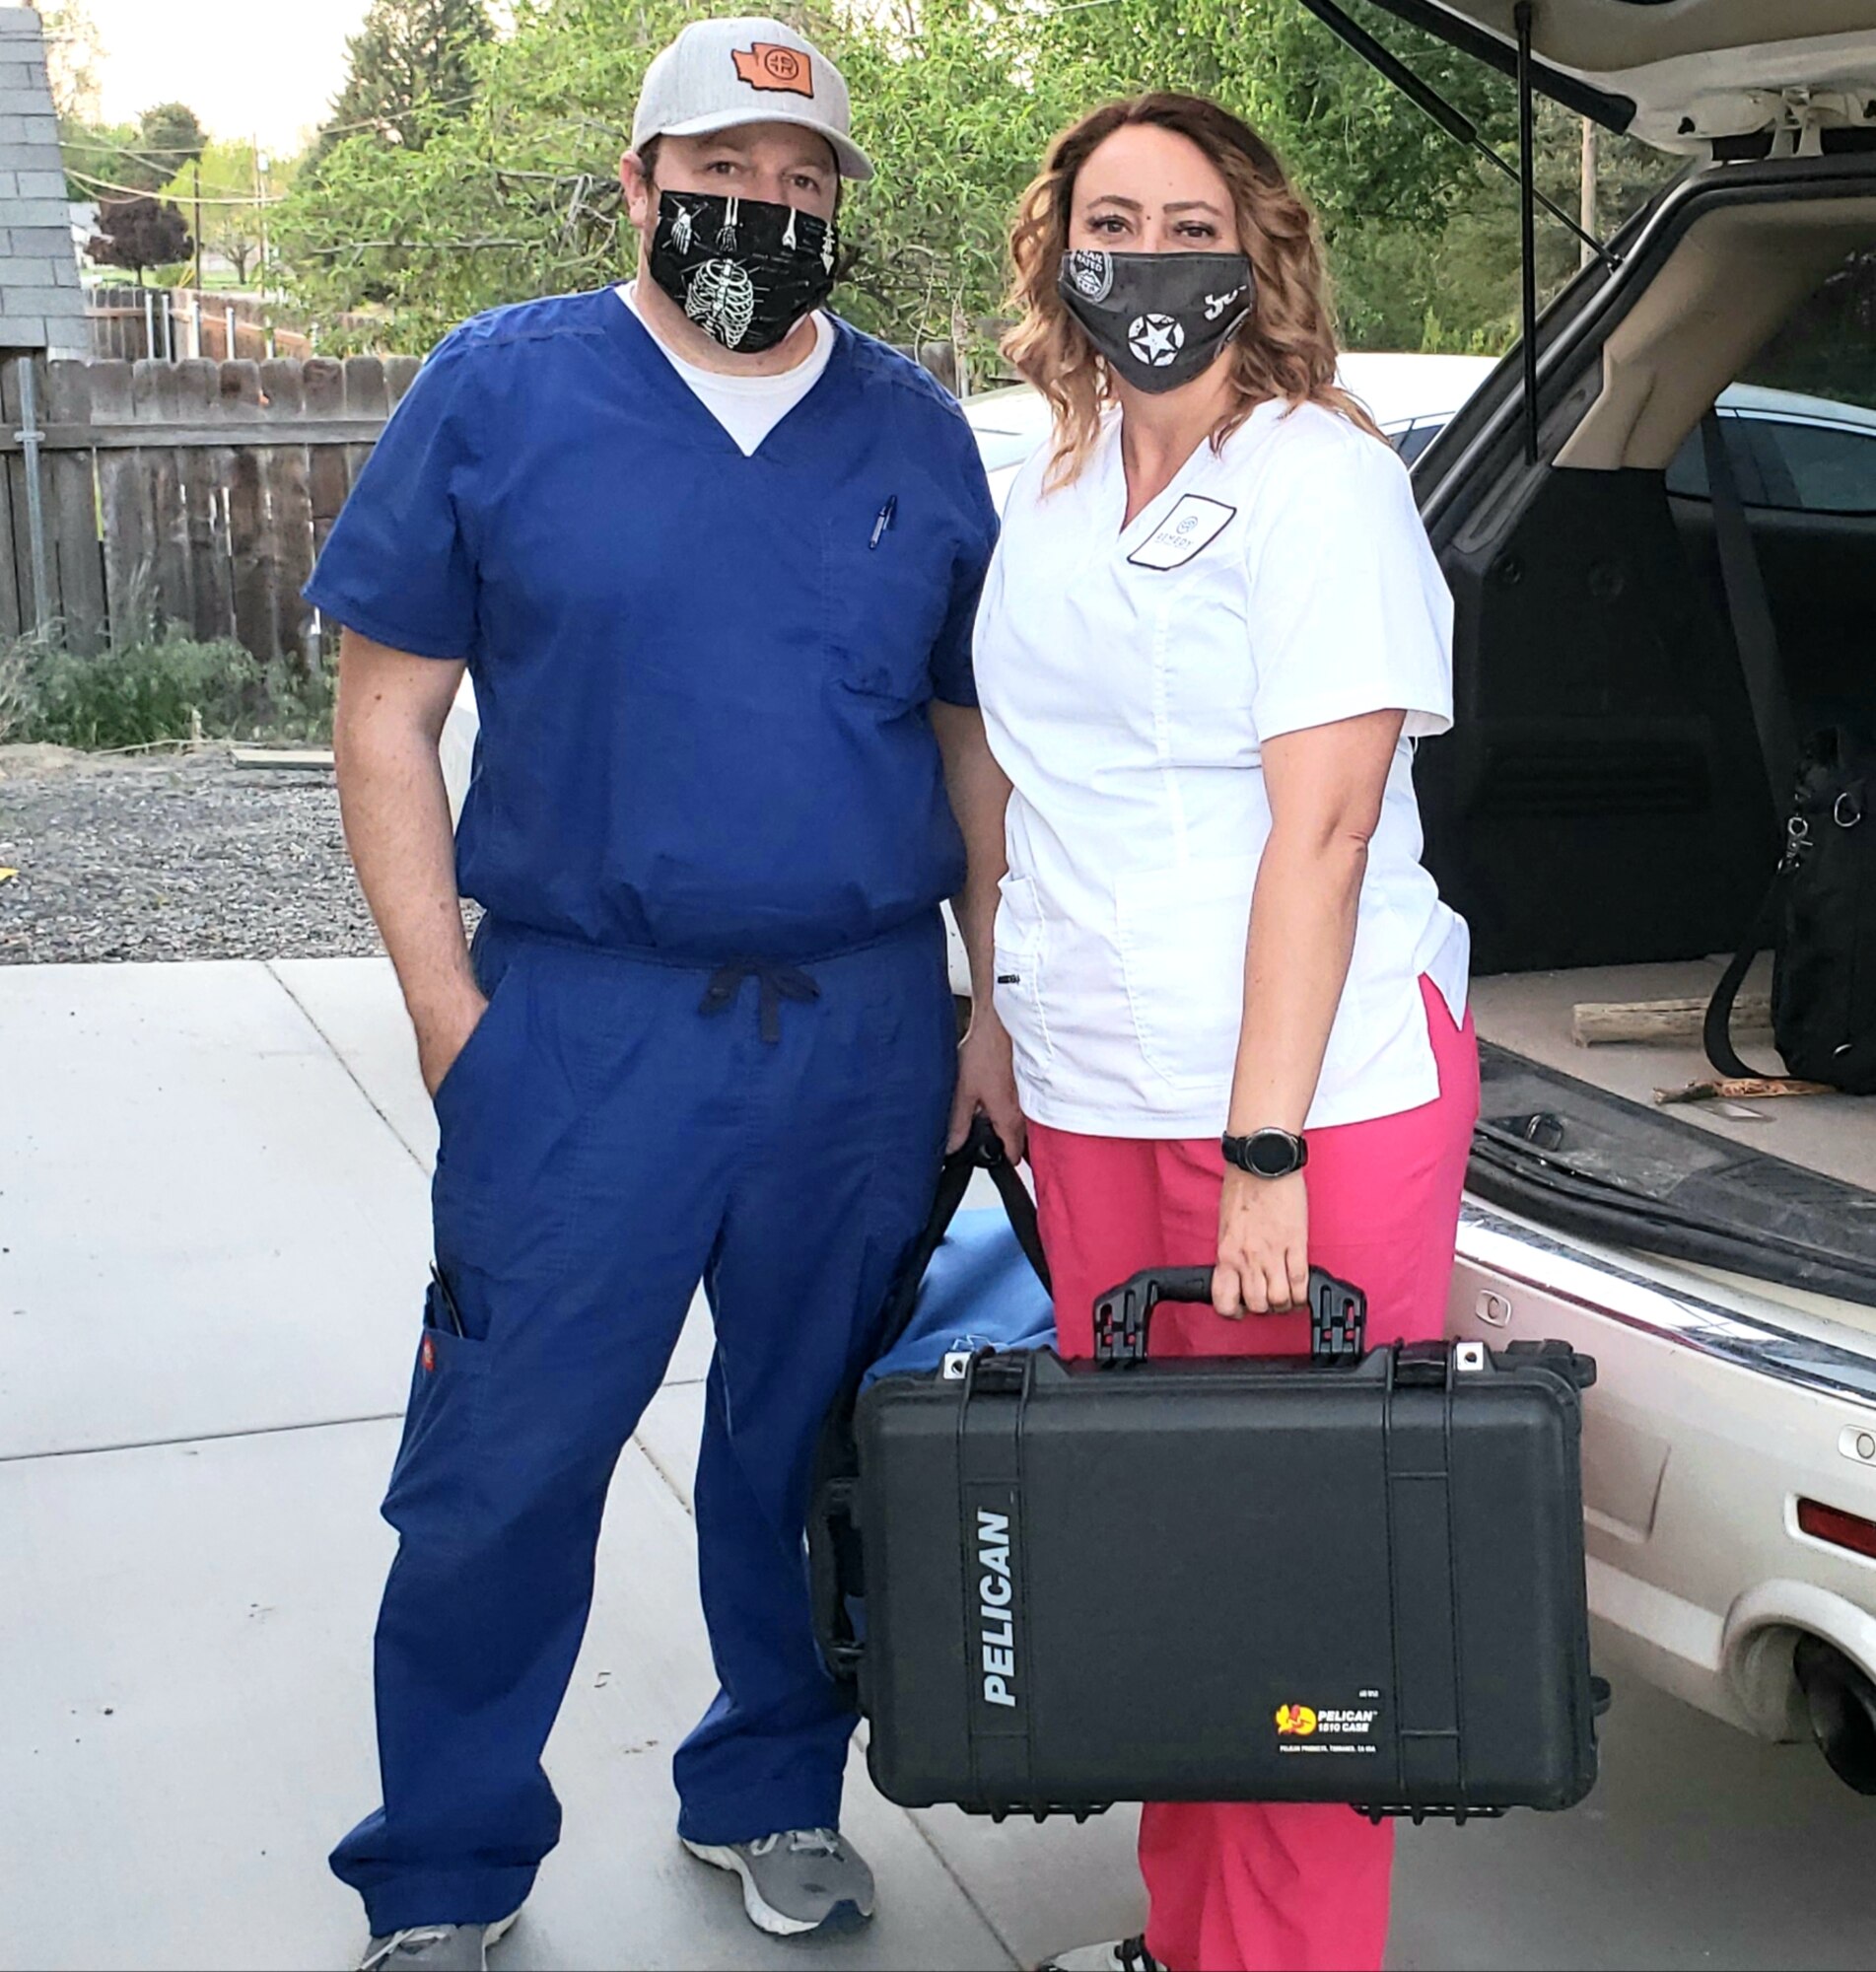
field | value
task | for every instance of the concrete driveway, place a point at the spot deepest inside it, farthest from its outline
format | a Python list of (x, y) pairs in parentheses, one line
[(213, 1184)]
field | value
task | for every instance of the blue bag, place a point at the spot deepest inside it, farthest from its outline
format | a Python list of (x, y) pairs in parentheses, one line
[(979, 1292)]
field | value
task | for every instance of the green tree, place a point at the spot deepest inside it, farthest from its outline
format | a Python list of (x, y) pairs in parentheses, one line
[(94, 158), (410, 67), (102, 160), (519, 195), (238, 186), (169, 136), (515, 193)]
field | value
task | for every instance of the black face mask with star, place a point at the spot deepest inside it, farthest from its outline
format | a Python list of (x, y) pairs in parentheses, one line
[(743, 270), (1159, 319)]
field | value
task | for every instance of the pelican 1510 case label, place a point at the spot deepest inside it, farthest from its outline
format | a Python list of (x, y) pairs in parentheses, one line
[(1303, 1728)]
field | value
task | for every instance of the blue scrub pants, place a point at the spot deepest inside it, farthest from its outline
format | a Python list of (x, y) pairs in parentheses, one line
[(605, 1145)]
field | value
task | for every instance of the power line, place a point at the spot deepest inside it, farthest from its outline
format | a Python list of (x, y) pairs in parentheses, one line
[(140, 191), (155, 155)]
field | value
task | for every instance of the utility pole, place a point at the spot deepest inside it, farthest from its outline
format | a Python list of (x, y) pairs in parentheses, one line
[(198, 224), (1590, 134), (260, 211)]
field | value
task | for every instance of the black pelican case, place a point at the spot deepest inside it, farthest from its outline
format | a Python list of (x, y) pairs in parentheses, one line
[(1356, 1577)]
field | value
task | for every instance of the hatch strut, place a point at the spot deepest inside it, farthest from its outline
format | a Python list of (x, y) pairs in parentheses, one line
[(1527, 216), (1462, 130), (1456, 124)]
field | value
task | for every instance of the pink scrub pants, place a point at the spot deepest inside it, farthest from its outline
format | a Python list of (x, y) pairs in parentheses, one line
[(1237, 1886)]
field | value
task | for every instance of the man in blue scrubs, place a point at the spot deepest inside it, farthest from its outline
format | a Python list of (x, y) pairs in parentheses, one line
[(712, 559)]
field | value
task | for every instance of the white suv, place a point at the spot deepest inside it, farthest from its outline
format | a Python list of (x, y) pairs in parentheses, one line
[(1604, 816)]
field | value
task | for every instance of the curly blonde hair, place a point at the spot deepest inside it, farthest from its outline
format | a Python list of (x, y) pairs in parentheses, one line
[(1287, 347)]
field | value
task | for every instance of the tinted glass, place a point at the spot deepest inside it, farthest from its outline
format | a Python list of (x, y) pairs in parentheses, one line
[(1687, 476), (1415, 440), (1818, 469), (1826, 346)]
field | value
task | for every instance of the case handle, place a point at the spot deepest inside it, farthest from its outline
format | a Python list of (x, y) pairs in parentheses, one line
[(832, 1513), (1123, 1317)]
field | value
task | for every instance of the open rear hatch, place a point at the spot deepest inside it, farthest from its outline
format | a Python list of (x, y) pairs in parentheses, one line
[(1729, 79), (1556, 1148)]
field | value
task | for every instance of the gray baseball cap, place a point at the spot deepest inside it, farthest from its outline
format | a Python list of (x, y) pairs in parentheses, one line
[(717, 74)]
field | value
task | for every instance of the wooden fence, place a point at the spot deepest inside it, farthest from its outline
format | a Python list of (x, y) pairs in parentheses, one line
[(200, 489), (172, 324), (197, 490)]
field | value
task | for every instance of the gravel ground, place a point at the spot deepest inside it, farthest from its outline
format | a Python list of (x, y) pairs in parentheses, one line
[(179, 857)]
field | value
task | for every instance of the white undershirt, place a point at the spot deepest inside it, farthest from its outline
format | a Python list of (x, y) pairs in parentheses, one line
[(747, 407)]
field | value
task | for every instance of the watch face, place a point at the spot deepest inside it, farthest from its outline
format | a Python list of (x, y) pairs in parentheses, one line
[(1273, 1153)]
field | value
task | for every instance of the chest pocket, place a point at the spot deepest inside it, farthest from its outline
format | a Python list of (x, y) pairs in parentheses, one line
[(887, 603)]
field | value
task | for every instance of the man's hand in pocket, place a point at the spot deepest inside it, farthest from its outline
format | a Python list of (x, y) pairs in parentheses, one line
[(443, 1033)]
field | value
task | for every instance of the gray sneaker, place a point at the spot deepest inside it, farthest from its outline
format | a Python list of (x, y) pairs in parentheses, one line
[(437, 1947), (800, 1880), (1121, 1955)]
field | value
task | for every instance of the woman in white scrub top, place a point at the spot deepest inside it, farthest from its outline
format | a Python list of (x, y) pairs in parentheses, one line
[(1213, 632)]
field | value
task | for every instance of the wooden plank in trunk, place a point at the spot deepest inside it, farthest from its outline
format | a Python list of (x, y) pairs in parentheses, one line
[(247, 537), (289, 517), (1595, 1022), (120, 496), (71, 482)]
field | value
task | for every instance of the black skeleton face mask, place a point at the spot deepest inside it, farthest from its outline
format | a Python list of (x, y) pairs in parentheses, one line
[(744, 271), (1159, 318)]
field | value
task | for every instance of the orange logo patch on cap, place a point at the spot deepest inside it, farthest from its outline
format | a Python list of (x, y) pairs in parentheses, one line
[(768, 65), (1295, 1722)]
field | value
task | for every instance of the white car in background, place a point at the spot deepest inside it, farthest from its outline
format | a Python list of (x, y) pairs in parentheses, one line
[(1411, 397)]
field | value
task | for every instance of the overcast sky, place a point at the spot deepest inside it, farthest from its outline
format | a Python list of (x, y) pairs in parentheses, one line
[(266, 68)]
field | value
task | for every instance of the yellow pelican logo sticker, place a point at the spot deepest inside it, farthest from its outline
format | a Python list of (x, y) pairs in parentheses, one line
[(1295, 1722)]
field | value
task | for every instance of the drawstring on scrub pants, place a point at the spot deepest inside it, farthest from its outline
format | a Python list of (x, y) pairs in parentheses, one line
[(777, 983)]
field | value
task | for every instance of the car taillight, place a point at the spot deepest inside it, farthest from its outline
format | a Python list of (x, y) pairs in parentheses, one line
[(1840, 1529)]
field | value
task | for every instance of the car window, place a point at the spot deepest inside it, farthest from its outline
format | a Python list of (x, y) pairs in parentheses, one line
[(1804, 409), (1817, 468), (1414, 439), (1687, 476)]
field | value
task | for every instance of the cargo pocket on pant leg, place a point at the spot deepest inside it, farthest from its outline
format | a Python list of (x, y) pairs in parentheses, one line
[(433, 1482)]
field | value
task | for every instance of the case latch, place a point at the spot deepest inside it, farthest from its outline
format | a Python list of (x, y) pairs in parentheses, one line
[(1121, 1323), (989, 1374), (1338, 1319)]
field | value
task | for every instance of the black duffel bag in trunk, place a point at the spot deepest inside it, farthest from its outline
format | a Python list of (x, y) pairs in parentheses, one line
[(1820, 919)]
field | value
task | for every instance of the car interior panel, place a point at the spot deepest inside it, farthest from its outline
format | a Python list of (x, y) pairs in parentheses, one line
[(1605, 741), (1601, 813)]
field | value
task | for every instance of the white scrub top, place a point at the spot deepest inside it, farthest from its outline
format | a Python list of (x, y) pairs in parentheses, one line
[(1128, 679)]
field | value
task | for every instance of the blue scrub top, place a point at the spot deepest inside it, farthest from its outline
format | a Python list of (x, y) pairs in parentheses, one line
[(703, 691)]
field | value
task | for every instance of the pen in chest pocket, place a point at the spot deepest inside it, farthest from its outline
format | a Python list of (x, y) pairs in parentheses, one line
[(887, 514)]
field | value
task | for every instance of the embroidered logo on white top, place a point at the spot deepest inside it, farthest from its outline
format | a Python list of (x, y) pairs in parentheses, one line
[(1194, 524)]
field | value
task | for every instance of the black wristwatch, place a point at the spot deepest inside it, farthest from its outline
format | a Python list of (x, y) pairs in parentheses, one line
[(1266, 1153)]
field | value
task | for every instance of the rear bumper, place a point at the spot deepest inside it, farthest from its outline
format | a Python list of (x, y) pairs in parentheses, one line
[(1704, 1429)]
